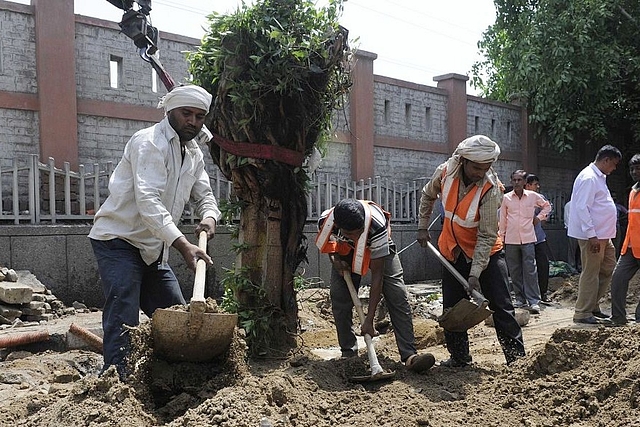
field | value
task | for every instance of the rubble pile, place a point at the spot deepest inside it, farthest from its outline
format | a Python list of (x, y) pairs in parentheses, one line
[(25, 301)]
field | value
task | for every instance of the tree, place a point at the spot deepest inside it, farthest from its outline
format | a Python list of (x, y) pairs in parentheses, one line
[(277, 71), (573, 63)]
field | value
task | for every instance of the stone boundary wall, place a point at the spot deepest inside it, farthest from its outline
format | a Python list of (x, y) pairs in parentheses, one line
[(411, 122)]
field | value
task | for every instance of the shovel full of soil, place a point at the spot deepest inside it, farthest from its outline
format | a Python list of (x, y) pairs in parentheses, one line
[(465, 314), (198, 333)]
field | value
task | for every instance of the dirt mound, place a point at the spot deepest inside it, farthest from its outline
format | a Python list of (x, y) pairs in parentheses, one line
[(574, 376)]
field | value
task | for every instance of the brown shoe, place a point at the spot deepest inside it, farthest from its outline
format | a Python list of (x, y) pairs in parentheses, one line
[(420, 362)]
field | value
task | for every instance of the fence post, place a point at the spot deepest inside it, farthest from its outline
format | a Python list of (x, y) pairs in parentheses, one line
[(34, 188), (416, 202), (394, 202), (67, 188), (52, 189), (81, 191), (96, 187), (15, 194)]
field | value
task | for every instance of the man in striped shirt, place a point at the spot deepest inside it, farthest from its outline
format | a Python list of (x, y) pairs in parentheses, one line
[(356, 234)]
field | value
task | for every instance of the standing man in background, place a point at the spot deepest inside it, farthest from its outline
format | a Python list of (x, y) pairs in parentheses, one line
[(471, 194), (542, 246), (629, 261), (516, 229), (592, 221)]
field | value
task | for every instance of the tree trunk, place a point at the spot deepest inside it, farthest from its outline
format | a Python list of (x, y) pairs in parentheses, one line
[(267, 249)]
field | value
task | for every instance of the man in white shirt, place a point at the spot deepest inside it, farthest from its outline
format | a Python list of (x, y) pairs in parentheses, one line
[(592, 221), (162, 168)]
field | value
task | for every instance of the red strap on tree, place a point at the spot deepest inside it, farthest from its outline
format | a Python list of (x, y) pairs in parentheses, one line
[(260, 151)]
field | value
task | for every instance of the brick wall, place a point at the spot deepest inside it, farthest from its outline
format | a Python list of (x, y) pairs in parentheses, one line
[(17, 52), (500, 122), (102, 139), (410, 136), (416, 112), (19, 134), (337, 162)]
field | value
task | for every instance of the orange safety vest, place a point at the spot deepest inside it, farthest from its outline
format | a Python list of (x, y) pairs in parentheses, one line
[(327, 243), (460, 226), (633, 225)]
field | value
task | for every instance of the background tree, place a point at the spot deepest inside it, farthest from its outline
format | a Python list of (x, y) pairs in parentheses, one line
[(575, 64), (277, 71)]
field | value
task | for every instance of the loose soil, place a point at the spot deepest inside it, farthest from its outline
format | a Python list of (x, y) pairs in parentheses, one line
[(571, 376)]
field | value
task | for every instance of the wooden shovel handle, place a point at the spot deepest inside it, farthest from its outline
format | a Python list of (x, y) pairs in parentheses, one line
[(474, 293), (201, 269), (376, 369)]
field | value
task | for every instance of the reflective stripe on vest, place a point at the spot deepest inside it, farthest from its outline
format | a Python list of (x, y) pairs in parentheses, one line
[(633, 225), (361, 256), (469, 221), (460, 225)]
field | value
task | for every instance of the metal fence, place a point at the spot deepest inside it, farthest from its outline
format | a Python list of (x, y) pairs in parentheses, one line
[(36, 193)]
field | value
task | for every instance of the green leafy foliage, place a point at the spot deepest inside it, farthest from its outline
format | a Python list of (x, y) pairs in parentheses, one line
[(573, 63), (277, 68), (255, 313)]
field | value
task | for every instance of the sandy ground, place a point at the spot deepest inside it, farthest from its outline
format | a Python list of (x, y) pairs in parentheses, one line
[(571, 376)]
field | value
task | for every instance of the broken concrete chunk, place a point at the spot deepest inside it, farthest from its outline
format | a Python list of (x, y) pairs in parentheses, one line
[(39, 298), (15, 293), (36, 305), (79, 306), (8, 274), (11, 276), (25, 277), (10, 312), (33, 311)]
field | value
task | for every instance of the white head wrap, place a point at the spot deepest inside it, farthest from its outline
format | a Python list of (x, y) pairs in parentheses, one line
[(476, 148), (186, 96)]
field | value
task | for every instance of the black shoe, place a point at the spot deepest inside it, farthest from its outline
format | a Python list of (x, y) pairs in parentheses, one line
[(349, 353), (421, 362), (619, 321), (454, 363), (600, 315), (121, 370)]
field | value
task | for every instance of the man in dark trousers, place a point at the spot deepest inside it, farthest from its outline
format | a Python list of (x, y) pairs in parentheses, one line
[(629, 261), (356, 234), (471, 194), (162, 168)]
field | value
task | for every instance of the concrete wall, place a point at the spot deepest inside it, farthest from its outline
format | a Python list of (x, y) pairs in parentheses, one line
[(62, 259), (18, 51)]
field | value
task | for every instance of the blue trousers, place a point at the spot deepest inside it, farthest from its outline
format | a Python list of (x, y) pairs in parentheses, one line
[(396, 300), (494, 286), (129, 285)]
